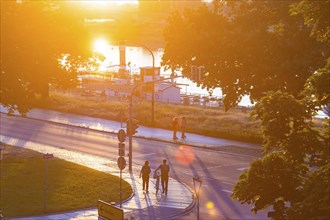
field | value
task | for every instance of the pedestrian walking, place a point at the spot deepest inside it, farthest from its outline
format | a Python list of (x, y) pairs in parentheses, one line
[(164, 170), (157, 177), (183, 125), (175, 125), (145, 172)]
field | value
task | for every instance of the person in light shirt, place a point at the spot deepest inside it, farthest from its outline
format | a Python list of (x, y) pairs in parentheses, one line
[(164, 169)]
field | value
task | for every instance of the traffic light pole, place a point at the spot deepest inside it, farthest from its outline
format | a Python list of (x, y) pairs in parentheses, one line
[(130, 115)]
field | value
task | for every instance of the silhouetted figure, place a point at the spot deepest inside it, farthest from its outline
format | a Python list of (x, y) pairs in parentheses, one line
[(164, 170), (145, 171), (183, 125), (175, 125)]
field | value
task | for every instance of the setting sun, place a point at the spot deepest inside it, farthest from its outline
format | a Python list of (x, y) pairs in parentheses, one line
[(101, 46)]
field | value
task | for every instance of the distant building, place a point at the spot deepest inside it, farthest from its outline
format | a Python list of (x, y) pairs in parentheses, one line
[(167, 92)]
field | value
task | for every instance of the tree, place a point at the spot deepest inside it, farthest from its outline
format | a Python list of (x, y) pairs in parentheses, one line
[(262, 185), (316, 15), (34, 36), (296, 161), (281, 59), (242, 44)]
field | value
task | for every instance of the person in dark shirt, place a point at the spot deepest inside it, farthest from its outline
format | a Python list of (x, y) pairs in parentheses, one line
[(183, 125), (145, 171), (175, 126), (164, 169)]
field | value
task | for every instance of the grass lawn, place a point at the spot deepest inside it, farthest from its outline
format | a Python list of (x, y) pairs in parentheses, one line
[(70, 186)]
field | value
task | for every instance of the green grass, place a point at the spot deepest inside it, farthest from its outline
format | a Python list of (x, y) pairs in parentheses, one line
[(70, 186), (210, 121)]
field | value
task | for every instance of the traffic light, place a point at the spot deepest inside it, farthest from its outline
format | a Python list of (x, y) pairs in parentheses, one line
[(128, 128), (132, 126), (201, 72), (197, 73), (194, 74), (135, 126)]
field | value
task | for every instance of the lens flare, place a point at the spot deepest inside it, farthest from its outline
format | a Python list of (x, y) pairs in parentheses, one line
[(184, 155), (209, 205), (211, 209)]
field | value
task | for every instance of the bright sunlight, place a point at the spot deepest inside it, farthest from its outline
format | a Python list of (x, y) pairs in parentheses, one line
[(101, 46), (105, 2)]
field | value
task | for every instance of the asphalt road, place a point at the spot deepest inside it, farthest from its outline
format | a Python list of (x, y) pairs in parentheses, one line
[(219, 171)]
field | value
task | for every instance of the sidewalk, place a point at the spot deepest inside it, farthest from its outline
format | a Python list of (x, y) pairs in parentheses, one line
[(143, 132), (140, 206)]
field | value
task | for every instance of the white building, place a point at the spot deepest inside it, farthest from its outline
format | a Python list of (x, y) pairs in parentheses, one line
[(166, 92)]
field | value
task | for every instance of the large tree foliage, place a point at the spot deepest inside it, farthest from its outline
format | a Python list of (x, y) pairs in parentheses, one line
[(34, 36), (316, 16), (295, 167), (247, 47), (278, 53)]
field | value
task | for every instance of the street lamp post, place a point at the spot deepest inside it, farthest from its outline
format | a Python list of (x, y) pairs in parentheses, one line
[(153, 86), (153, 81), (2, 148)]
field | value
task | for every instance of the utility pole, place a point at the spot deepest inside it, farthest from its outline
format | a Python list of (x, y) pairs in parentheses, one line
[(153, 80)]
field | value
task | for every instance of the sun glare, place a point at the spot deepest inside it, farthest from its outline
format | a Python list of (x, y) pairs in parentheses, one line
[(95, 2), (105, 2), (101, 46)]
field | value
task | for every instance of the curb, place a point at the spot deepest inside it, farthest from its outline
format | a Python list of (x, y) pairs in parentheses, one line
[(189, 208)]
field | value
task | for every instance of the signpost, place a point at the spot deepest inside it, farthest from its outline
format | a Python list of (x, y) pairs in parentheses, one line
[(109, 212), (46, 157), (121, 160), (2, 148), (121, 164), (121, 149), (121, 135)]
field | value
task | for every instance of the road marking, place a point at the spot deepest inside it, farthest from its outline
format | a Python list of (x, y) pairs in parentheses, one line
[(227, 191), (243, 168), (228, 183), (216, 167), (143, 155)]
